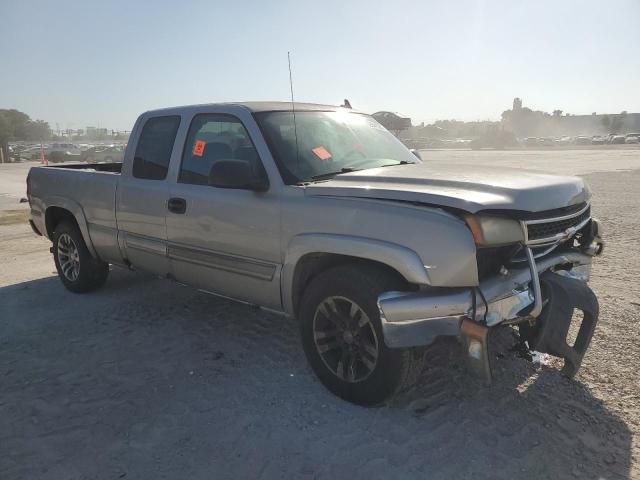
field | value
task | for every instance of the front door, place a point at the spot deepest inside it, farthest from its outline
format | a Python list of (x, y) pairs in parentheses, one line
[(142, 196), (224, 240)]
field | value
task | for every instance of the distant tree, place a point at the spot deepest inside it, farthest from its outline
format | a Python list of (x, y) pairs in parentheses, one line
[(606, 121), (5, 135), (16, 125), (557, 113), (37, 131), (21, 127)]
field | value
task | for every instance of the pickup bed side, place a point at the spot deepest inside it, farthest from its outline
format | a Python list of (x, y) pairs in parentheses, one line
[(88, 194)]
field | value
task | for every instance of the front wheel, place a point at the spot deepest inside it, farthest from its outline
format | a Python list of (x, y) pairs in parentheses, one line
[(342, 336), (77, 269)]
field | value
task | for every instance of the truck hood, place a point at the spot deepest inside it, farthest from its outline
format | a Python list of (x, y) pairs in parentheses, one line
[(471, 188)]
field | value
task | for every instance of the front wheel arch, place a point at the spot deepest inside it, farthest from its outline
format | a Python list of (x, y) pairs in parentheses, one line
[(326, 250), (314, 264)]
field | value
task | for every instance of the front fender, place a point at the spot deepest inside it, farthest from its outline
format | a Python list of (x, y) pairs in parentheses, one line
[(404, 260)]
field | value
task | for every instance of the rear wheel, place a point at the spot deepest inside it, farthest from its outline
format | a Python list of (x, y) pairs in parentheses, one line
[(77, 269), (342, 336)]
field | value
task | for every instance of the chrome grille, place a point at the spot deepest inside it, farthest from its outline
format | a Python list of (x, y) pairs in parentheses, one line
[(542, 231)]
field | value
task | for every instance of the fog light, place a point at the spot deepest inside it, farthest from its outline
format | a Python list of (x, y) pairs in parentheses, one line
[(595, 248)]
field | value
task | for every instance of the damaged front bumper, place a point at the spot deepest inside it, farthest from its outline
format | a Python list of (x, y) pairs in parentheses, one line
[(526, 294)]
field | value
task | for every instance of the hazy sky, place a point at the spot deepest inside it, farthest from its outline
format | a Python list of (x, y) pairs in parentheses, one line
[(84, 62)]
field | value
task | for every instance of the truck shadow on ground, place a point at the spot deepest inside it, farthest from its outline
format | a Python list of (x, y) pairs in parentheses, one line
[(147, 378)]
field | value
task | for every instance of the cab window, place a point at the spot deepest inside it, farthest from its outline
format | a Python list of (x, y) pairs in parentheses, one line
[(153, 152), (214, 137)]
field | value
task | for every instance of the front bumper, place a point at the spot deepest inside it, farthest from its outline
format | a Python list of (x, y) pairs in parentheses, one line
[(418, 318), (412, 319)]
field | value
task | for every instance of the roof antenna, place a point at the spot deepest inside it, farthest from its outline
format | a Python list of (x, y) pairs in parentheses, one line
[(293, 109), (346, 104)]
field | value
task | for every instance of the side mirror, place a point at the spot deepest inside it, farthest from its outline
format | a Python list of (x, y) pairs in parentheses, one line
[(236, 174), (416, 153)]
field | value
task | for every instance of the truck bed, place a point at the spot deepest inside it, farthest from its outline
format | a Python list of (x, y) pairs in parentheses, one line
[(88, 191)]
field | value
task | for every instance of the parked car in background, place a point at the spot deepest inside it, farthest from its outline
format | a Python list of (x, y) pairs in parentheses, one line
[(31, 152), (632, 138), (618, 139), (103, 153), (496, 139), (582, 140), (62, 152), (597, 140)]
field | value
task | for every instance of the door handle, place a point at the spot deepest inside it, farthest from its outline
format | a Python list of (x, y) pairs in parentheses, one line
[(177, 205)]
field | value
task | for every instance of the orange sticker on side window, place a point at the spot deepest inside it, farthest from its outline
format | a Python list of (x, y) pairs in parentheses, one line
[(198, 148), (321, 152)]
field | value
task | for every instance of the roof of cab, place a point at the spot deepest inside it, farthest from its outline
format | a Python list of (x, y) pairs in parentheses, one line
[(254, 107)]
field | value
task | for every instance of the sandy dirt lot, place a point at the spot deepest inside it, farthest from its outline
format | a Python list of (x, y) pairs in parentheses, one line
[(147, 379)]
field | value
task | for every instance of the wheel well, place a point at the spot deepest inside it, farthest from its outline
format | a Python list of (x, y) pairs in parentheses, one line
[(312, 264), (54, 215)]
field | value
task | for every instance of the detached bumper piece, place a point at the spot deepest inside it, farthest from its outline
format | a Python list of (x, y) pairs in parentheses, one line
[(475, 338), (539, 298), (563, 297)]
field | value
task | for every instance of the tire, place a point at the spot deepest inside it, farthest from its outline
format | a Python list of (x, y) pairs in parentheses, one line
[(365, 378), (77, 269)]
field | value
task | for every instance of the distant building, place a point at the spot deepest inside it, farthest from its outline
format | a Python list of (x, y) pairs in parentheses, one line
[(96, 133), (392, 121), (525, 122), (517, 103)]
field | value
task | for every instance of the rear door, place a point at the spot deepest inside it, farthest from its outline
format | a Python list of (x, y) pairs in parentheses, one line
[(142, 195), (224, 240)]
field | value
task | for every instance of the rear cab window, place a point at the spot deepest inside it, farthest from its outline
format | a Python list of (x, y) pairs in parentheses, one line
[(153, 152)]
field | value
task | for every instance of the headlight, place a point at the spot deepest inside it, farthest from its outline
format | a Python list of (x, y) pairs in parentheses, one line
[(489, 230)]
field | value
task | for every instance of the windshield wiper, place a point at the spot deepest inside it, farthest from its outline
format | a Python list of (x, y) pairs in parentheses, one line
[(401, 162), (324, 176)]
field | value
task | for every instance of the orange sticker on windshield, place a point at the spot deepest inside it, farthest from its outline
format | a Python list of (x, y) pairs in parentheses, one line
[(198, 148), (321, 152)]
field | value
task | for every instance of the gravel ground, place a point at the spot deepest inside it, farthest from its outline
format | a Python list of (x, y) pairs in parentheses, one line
[(146, 379)]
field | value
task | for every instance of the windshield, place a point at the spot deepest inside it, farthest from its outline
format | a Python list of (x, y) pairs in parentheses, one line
[(329, 143)]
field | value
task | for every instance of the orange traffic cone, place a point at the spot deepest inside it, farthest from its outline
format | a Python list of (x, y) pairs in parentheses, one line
[(43, 159)]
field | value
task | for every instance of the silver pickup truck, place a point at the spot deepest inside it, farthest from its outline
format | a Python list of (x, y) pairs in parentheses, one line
[(320, 213)]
